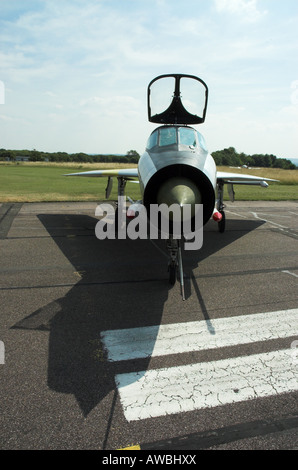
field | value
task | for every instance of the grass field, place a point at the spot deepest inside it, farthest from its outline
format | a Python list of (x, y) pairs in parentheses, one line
[(36, 182), (40, 182)]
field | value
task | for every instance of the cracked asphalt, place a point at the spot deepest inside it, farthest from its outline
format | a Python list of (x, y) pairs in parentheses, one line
[(61, 289)]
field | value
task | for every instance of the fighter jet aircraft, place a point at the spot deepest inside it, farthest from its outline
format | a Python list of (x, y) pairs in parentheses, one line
[(176, 167)]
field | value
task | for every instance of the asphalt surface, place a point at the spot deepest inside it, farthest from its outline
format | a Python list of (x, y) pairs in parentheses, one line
[(61, 288)]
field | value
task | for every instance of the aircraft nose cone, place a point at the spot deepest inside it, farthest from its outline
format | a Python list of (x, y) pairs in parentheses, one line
[(181, 191)]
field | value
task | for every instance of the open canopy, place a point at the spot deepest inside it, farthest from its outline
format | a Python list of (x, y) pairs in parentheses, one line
[(177, 99)]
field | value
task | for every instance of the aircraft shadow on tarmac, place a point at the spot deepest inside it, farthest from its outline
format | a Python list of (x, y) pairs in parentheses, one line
[(124, 284)]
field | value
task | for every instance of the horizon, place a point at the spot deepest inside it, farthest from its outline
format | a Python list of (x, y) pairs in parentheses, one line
[(293, 160)]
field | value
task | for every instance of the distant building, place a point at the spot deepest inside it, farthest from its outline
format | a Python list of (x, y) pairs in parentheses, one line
[(19, 158), (22, 159)]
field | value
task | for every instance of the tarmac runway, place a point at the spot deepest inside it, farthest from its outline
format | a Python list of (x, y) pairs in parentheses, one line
[(99, 351)]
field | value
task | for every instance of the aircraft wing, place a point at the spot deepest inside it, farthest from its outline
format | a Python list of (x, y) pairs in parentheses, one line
[(126, 173), (238, 178)]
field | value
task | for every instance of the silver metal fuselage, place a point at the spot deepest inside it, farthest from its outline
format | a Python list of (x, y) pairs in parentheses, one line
[(187, 166)]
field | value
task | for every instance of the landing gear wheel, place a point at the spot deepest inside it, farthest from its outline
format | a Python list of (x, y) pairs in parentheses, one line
[(175, 261), (222, 223), (116, 220), (172, 273)]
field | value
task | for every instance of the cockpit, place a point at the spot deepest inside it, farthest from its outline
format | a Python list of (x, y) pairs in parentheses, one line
[(175, 138), (177, 99)]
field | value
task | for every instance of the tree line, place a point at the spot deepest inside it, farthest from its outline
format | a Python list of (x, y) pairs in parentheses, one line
[(225, 157), (131, 156), (229, 157)]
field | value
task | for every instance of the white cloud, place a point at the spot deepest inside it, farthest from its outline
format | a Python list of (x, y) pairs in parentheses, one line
[(247, 9), (118, 106), (5, 118)]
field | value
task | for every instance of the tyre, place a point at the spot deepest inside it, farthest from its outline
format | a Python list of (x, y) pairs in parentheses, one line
[(222, 223)]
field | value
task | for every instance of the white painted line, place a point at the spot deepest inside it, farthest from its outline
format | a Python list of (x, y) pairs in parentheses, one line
[(235, 213), (291, 274), (192, 387), (269, 221), (176, 338), (276, 215)]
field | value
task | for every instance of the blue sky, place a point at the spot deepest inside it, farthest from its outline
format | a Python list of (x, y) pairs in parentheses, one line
[(75, 72)]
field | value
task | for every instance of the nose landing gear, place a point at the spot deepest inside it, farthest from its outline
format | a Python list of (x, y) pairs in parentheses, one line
[(175, 262)]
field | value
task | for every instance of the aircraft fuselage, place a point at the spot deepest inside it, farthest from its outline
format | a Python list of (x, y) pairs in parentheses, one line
[(177, 168)]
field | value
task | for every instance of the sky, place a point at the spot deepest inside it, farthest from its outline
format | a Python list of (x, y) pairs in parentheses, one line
[(74, 73)]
